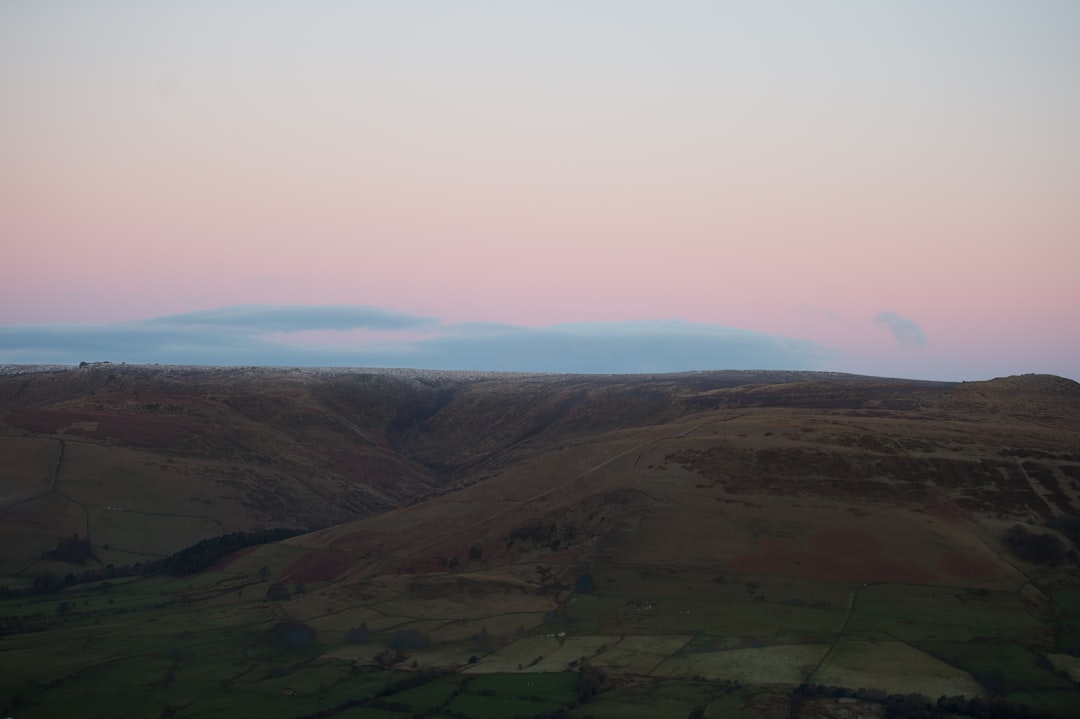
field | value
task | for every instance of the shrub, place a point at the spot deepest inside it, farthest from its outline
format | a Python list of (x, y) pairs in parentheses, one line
[(1033, 547)]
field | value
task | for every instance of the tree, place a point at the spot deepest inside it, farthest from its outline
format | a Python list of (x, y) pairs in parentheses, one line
[(295, 635), (277, 592), (358, 635), (590, 682), (71, 549), (993, 680)]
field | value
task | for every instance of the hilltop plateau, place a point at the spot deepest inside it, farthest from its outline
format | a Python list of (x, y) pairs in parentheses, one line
[(637, 545)]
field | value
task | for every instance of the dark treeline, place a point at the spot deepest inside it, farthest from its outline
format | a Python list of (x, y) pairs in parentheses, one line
[(209, 552), (196, 558), (919, 706)]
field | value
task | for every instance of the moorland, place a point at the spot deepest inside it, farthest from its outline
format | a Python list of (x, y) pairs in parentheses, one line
[(281, 542)]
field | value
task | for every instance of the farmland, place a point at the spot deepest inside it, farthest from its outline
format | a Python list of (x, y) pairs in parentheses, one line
[(203, 645)]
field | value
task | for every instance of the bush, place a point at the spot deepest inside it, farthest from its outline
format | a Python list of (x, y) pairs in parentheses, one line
[(1032, 547), (295, 635), (277, 592)]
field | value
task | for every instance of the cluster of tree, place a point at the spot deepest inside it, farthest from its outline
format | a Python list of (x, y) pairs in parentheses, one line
[(24, 623), (403, 639), (447, 563), (591, 682), (534, 530), (584, 584), (358, 635), (294, 635), (278, 592), (1037, 547), (42, 621), (542, 534), (72, 549), (919, 706), (992, 680), (190, 560), (203, 555), (49, 583)]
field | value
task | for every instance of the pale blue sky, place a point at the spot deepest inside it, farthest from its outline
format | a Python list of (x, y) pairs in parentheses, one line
[(793, 169)]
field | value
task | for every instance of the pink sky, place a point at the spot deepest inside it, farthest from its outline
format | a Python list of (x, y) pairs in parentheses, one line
[(790, 170)]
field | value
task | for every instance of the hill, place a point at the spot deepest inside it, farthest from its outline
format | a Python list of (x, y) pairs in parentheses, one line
[(742, 530)]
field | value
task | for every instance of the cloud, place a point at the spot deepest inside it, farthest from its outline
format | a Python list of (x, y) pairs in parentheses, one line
[(277, 318), (906, 332), (245, 336), (610, 347)]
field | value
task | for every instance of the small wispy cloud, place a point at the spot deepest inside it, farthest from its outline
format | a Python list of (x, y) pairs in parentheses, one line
[(906, 332)]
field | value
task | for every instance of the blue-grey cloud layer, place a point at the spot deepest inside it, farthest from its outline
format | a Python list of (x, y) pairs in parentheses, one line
[(906, 332), (238, 336), (277, 318)]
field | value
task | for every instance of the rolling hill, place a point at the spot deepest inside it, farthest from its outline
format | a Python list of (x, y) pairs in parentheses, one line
[(721, 536)]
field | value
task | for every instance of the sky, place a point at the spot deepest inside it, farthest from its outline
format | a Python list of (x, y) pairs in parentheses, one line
[(595, 186)]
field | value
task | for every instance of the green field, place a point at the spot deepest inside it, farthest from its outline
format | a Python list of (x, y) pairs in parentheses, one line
[(778, 664), (1069, 626), (641, 600), (894, 667), (672, 643), (661, 699), (1011, 670), (916, 613)]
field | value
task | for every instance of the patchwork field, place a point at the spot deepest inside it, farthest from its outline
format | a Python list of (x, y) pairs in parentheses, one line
[(155, 644), (894, 667)]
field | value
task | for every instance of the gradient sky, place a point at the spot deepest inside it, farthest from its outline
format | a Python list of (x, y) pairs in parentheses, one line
[(883, 188)]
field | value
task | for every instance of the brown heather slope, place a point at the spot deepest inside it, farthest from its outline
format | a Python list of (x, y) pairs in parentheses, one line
[(820, 475), (147, 460), (848, 481)]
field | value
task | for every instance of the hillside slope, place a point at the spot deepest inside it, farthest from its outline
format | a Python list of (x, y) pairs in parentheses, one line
[(147, 460), (714, 539)]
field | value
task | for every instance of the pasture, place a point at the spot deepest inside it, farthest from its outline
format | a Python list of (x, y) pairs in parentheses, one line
[(895, 667), (917, 613), (670, 642)]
